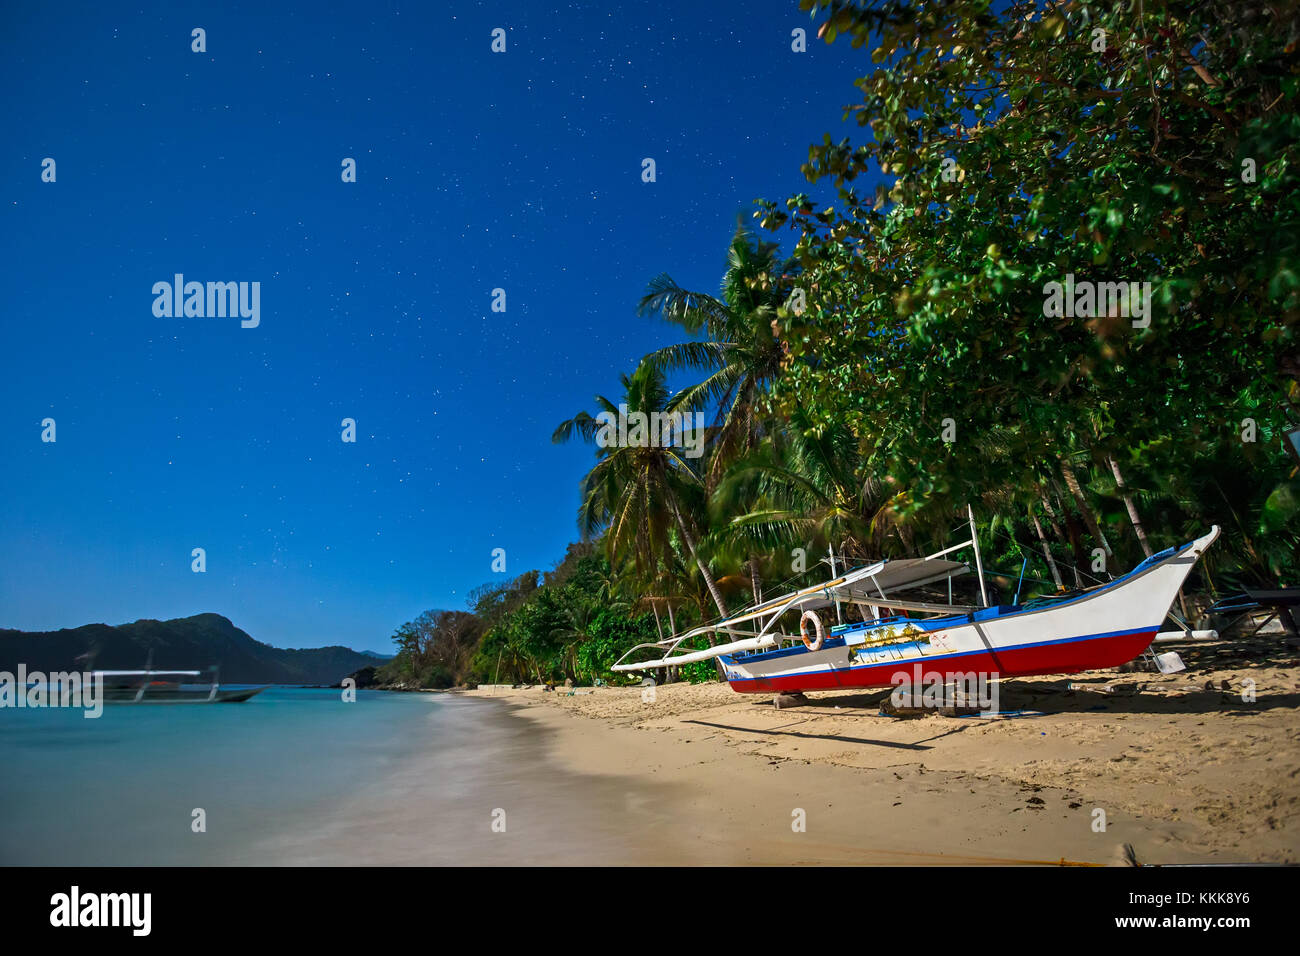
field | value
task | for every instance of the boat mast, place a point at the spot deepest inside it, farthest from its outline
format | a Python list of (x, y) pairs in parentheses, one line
[(979, 564), (839, 618), (148, 673)]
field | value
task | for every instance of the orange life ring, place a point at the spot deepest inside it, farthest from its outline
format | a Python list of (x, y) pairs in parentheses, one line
[(817, 626)]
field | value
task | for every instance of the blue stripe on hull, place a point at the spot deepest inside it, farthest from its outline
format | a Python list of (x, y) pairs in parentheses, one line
[(732, 661)]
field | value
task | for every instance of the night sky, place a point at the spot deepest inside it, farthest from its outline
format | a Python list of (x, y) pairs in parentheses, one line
[(475, 171)]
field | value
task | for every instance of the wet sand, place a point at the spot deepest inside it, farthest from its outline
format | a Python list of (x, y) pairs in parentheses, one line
[(577, 790), (484, 791), (1184, 774)]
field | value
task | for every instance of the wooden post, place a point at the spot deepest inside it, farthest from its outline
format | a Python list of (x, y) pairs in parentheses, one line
[(979, 563), (839, 619)]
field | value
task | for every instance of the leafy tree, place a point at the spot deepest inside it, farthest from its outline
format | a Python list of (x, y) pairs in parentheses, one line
[(609, 637), (1150, 144)]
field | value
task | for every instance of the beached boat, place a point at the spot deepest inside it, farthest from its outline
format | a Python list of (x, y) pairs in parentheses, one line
[(927, 640), (167, 687)]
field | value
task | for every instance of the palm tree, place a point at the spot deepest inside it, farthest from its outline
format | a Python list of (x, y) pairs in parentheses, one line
[(637, 493), (577, 617), (801, 487), (742, 352), (518, 659)]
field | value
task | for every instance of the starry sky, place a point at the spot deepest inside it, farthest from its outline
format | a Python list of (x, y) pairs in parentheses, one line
[(475, 171)]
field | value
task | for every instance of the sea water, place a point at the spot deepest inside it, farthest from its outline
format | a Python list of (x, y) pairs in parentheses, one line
[(297, 776), (147, 783)]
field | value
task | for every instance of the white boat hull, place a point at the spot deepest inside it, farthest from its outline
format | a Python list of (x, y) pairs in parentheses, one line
[(1106, 627)]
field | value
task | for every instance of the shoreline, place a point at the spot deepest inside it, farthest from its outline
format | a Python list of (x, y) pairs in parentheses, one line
[(698, 775), (1183, 774)]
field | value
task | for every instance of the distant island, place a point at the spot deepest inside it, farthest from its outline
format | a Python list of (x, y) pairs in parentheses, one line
[(186, 643)]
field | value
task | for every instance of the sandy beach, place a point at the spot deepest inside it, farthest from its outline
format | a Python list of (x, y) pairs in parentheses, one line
[(1184, 769)]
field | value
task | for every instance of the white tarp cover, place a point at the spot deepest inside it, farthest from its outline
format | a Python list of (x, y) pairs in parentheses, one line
[(863, 584)]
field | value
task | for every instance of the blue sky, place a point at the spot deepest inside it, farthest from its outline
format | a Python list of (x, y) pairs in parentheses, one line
[(475, 171)]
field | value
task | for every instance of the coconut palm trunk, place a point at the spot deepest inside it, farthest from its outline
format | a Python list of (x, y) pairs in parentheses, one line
[(1056, 530), (1125, 494), (1076, 491), (704, 571), (1075, 530), (1047, 551), (654, 606)]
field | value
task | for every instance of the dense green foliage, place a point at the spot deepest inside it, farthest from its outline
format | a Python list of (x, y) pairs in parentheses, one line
[(912, 355), (568, 625), (1050, 140)]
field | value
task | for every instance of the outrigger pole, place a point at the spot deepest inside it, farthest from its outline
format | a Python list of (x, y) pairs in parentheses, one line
[(979, 564)]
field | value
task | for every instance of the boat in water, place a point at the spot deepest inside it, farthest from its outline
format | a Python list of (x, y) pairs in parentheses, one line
[(167, 687), (926, 641)]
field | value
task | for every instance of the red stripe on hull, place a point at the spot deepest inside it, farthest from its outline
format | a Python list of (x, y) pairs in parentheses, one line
[(1063, 658)]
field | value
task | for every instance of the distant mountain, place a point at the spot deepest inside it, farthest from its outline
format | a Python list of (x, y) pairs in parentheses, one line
[(186, 643)]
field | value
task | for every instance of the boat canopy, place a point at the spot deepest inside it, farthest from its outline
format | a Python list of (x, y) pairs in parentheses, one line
[(874, 585)]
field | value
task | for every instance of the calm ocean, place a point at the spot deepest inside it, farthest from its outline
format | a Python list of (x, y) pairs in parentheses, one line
[(122, 788), (296, 776)]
